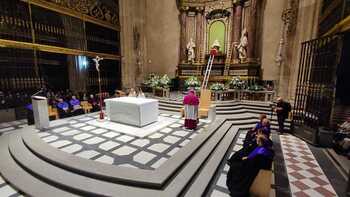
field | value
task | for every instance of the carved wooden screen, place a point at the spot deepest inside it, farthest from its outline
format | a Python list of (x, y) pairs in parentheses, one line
[(315, 91)]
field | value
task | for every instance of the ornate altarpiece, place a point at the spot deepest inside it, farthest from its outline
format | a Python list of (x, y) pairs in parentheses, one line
[(205, 21)]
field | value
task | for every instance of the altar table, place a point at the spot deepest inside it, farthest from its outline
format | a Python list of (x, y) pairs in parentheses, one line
[(132, 111)]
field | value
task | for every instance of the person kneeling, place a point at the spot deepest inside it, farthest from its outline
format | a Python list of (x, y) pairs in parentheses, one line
[(243, 170)]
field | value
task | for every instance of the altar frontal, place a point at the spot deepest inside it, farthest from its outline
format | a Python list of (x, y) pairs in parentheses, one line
[(132, 111)]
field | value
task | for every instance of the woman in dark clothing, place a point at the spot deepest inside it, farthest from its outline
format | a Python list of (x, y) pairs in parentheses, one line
[(30, 114), (243, 170), (250, 143)]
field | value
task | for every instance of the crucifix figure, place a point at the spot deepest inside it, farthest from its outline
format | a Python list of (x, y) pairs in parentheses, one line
[(97, 63)]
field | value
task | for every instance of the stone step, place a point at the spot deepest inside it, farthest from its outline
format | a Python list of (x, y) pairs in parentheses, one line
[(29, 163), (23, 180), (46, 164), (169, 109)]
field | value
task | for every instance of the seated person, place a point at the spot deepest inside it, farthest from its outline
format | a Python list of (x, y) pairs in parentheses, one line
[(30, 114), (251, 133), (93, 101), (132, 93), (250, 143), (243, 171), (63, 108), (341, 138), (76, 107)]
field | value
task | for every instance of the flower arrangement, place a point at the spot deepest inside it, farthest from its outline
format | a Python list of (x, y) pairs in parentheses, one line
[(217, 87), (155, 81), (192, 82), (237, 83), (164, 81)]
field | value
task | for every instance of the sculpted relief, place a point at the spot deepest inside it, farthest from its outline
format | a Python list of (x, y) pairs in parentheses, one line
[(92, 8)]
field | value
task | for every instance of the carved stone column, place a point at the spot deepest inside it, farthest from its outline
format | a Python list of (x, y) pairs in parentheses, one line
[(236, 30), (183, 17), (252, 31), (199, 35)]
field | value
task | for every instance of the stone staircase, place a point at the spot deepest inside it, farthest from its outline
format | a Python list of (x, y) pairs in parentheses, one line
[(36, 168), (242, 111)]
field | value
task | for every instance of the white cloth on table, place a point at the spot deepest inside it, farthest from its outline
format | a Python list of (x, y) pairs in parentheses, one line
[(132, 111), (191, 112)]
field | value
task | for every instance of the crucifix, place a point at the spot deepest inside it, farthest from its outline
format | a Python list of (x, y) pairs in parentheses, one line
[(97, 63)]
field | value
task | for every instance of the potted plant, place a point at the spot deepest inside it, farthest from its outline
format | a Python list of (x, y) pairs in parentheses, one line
[(237, 83), (217, 87), (164, 81), (192, 82)]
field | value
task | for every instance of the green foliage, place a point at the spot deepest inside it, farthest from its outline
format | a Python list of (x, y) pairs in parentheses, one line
[(255, 87), (164, 81), (237, 83), (217, 87), (155, 81), (192, 82)]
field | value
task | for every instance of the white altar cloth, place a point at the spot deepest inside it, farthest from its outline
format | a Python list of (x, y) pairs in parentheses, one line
[(132, 111)]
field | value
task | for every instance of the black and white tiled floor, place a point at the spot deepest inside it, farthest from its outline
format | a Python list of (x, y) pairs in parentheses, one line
[(6, 190), (111, 147), (10, 126)]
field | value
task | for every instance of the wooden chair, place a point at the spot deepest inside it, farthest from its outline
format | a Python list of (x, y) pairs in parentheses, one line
[(87, 107), (53, 112), (204, 104), (262, 184)]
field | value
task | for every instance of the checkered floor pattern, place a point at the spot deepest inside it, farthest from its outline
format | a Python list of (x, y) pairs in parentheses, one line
[(6, 190), (111, 147), (306, 178), (10, 126)]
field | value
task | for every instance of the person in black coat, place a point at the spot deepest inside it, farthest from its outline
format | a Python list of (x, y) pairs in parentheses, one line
[(282, 109), (244, 169)]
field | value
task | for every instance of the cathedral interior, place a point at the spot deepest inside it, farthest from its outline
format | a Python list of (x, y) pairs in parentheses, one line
[(174, 98)]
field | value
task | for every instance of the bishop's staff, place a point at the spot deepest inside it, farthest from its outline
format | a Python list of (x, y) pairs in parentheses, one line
[(97, 60)]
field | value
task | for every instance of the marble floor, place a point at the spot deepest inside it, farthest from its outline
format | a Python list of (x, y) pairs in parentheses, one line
[(80, 138), (296, 161)]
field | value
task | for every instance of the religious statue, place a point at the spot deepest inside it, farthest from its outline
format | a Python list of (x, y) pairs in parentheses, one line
[(216, 44), (190, 51), (242, 47)]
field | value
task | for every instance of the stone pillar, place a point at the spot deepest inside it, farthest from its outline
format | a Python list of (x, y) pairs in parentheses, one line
[(199, 35), (77, 74), (236, 30), (183, 17), (252, 30)]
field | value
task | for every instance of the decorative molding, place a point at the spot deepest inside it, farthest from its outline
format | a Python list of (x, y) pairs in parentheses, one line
[(87, 10), (290, 15), (217, 14), (54, 49), (201, 3)]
